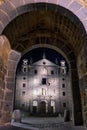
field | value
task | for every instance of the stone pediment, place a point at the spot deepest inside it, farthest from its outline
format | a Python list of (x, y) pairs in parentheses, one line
[(44, 62)]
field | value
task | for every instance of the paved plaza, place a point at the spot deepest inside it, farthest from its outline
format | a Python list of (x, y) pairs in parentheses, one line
[(53, 123), (11, 128), (61, 127)]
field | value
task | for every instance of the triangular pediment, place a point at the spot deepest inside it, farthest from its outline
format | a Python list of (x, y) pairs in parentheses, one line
[(44, 62)]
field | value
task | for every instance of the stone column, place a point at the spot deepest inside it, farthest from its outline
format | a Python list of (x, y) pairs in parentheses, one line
[(82, 70), (77, 106), (8, 63), (4, 52), (10, 86)]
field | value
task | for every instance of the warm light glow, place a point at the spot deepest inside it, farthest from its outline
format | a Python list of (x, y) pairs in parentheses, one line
[(84, 2), (1, 2)]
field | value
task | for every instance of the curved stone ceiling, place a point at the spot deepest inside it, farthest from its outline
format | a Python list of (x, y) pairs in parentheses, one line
[(10, 9), (45, 24)]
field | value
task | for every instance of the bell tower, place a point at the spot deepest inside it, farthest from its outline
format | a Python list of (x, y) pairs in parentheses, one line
[(25, 66), (62, 67)]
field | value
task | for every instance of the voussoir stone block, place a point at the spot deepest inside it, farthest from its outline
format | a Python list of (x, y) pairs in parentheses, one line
[(11, 65), (15, 56), (10, 85), (7, 106), (6, 117), (8, 96), (11, 73)]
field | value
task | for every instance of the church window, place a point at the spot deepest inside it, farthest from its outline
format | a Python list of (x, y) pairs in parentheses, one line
[(62, 71), (64, 94), (63, 79), (63, 85), (23, 105), (44, 63), (23, 92), (35, 71), (24, 77), (43, 91), (52, 72), (43, 81), (52, 103), (24, 85), (64, 104), (35, 103), (25, 69)]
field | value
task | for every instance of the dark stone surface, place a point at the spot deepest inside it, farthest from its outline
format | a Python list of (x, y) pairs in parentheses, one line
[(8, 96), (6, 117), (11, 128), (66, 115)]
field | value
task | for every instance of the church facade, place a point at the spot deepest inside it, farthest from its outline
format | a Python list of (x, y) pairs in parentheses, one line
[(43, 87)]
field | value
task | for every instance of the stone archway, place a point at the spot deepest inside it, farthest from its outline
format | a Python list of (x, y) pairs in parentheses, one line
[(77, 108), (13, 59), (71, 59), (11, 9), (65, 44)]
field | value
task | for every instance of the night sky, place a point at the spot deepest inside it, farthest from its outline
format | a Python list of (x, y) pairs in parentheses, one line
[(37, 54)]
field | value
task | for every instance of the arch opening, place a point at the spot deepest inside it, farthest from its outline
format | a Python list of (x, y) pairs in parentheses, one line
[(34, 54)]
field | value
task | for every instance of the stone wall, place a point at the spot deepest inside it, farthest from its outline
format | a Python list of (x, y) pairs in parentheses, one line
[(8, 63), (10, 85), (4, 52), (82, 70)]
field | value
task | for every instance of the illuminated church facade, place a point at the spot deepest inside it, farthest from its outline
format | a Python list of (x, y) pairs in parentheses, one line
[(43, 87)]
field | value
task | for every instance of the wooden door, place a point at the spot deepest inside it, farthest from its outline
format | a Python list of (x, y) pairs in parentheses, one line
[(43, 107)]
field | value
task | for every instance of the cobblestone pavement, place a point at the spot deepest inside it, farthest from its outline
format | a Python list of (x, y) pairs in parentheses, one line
[(60, 127)]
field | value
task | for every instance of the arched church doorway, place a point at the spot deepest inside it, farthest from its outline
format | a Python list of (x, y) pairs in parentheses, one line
[(43, 107)]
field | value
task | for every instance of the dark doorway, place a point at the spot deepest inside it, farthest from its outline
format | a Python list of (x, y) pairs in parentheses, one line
[(51, 110), (34, 109), (42, 107)]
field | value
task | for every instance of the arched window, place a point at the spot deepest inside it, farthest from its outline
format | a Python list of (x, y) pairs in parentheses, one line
[(43, 91), (52, 103), (35, 103)]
